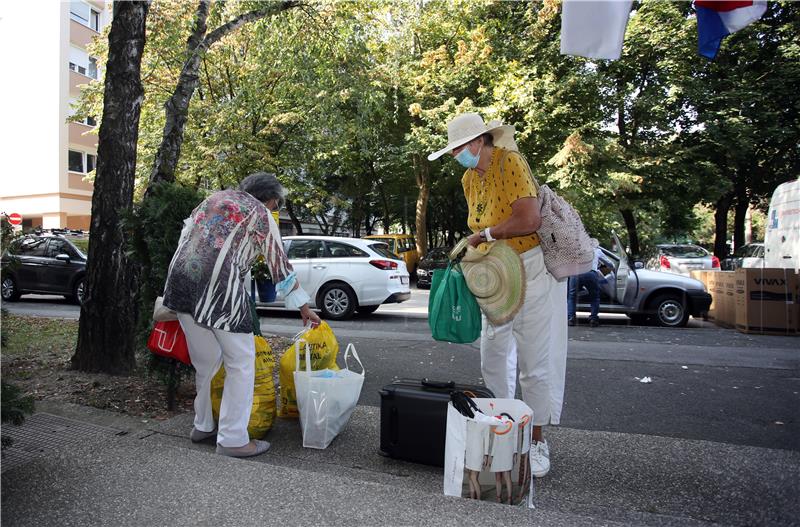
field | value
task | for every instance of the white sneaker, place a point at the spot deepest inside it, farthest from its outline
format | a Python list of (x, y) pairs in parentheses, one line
[(540, 459)]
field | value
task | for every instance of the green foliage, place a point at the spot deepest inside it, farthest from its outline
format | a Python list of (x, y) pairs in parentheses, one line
[(260, 270), (7, 235), (153, 229), (13, 407), (343, 100)]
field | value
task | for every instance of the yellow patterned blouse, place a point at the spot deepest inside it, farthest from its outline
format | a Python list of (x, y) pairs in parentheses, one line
[(490, 198)]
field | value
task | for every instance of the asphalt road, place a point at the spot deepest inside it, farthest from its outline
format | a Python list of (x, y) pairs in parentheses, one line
[(707, 382)]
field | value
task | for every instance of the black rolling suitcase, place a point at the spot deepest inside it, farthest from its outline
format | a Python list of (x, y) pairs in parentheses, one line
[(414, 418)]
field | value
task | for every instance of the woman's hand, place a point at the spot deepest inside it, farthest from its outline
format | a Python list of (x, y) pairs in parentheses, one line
[(309, 316), (475, 239)]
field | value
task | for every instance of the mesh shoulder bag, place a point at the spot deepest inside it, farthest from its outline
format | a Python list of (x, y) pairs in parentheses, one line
[(567, 248)]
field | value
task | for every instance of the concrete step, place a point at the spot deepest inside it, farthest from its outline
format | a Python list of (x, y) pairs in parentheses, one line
[(601, 477), (97, 477), (628, 478)]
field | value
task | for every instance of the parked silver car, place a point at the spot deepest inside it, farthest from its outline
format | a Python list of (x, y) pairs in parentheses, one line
[(682, 258), (667, 299)]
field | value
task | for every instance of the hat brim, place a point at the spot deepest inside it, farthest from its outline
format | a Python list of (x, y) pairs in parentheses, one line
[(499, 133), (497, 279)]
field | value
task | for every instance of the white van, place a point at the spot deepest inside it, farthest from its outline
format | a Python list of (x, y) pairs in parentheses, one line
[(782, 237)]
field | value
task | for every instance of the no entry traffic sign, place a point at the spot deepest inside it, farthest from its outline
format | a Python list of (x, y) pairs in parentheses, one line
[(14, 219)]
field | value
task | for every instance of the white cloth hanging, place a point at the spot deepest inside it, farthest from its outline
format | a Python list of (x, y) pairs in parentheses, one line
[(594, 28)]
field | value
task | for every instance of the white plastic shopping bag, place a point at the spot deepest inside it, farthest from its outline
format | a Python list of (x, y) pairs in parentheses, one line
[(325, 398), (488, 455)]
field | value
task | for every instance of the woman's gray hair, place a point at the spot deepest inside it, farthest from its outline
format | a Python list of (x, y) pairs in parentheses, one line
[(264, 187)]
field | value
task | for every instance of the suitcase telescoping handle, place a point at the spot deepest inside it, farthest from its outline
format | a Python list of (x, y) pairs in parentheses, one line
[(438, 384)]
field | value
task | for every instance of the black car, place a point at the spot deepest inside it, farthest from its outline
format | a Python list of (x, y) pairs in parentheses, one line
[(45, 264), (435, 259)]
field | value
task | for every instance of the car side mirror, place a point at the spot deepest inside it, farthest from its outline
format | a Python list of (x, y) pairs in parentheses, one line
[(63, 258), (638, 265)]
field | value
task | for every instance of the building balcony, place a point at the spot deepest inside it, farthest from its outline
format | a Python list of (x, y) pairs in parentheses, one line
[(76, 80), (75, 181), (80, 134), (81, 35)]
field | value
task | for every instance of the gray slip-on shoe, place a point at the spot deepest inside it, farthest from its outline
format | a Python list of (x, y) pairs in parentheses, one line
[(253, 448), (197, 435)]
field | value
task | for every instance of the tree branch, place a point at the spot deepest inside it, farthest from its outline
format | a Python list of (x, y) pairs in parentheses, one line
[(244, 18)]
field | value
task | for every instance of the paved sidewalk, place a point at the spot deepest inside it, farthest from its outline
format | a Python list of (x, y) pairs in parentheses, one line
[(89, 467)]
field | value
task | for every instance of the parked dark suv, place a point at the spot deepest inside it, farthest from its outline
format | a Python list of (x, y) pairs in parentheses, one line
[(45, 264)]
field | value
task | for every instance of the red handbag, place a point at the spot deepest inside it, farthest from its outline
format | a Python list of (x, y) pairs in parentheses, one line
[(167, 340)]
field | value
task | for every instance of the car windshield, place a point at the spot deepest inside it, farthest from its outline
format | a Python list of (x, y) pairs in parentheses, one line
[(684, 251), (437, 255), (383, 249)]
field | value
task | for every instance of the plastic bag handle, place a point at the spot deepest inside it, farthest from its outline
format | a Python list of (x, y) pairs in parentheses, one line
[(297, 355), (352, 348), (504, 432), (302, 332)]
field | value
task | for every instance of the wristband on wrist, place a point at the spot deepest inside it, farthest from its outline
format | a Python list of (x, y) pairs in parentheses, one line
[(488, 235)]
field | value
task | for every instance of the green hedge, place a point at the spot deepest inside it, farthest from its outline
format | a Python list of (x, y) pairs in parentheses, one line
[(153, 230)]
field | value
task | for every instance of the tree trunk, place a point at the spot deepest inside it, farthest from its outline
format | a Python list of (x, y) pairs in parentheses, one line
[(422, 173), (721, 208), (385, 206), (740, 212), (633, 236), (177, 106), (108, 315), (298, 227)]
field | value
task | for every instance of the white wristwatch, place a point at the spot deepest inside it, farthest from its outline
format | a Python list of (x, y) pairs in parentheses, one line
[(485, 233)]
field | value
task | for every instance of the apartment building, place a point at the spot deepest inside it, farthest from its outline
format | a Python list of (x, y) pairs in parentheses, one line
[(43, 52)]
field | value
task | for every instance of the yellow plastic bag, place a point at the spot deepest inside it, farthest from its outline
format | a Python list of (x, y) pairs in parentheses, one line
[(323, 347), (262, 414)]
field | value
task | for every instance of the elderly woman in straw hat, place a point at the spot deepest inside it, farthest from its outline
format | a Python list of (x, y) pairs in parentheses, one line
[(503, 205)]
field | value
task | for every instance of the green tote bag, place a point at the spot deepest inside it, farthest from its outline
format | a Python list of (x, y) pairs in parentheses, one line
[(453, 313)]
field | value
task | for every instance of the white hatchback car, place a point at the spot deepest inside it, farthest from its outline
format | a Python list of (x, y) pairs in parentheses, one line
[(343, 275)]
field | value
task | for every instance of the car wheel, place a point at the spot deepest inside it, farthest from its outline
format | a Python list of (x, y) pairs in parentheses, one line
[(670, 311), (78, 291), (337, 301), (10, 291)]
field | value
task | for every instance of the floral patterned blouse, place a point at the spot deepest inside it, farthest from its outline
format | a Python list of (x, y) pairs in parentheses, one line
[(218, 245)]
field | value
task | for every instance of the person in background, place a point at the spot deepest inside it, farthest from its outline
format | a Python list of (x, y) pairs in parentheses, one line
[(206, 287), (591, 280), (503, 205)]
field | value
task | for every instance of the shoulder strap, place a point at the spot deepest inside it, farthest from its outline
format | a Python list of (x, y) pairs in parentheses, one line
[(503, 158)]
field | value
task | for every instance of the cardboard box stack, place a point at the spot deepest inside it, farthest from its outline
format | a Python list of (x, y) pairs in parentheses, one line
[(767, 301), (724, 288), (709, 278)]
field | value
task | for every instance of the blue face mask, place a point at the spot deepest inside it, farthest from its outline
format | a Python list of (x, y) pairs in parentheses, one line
[(467, 159)]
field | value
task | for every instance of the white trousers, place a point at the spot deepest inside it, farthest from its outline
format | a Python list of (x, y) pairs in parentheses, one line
[(209, 349), (536, 340)]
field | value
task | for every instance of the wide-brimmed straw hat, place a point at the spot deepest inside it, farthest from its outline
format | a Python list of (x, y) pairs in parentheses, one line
[(497, 279), (467, 126)]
